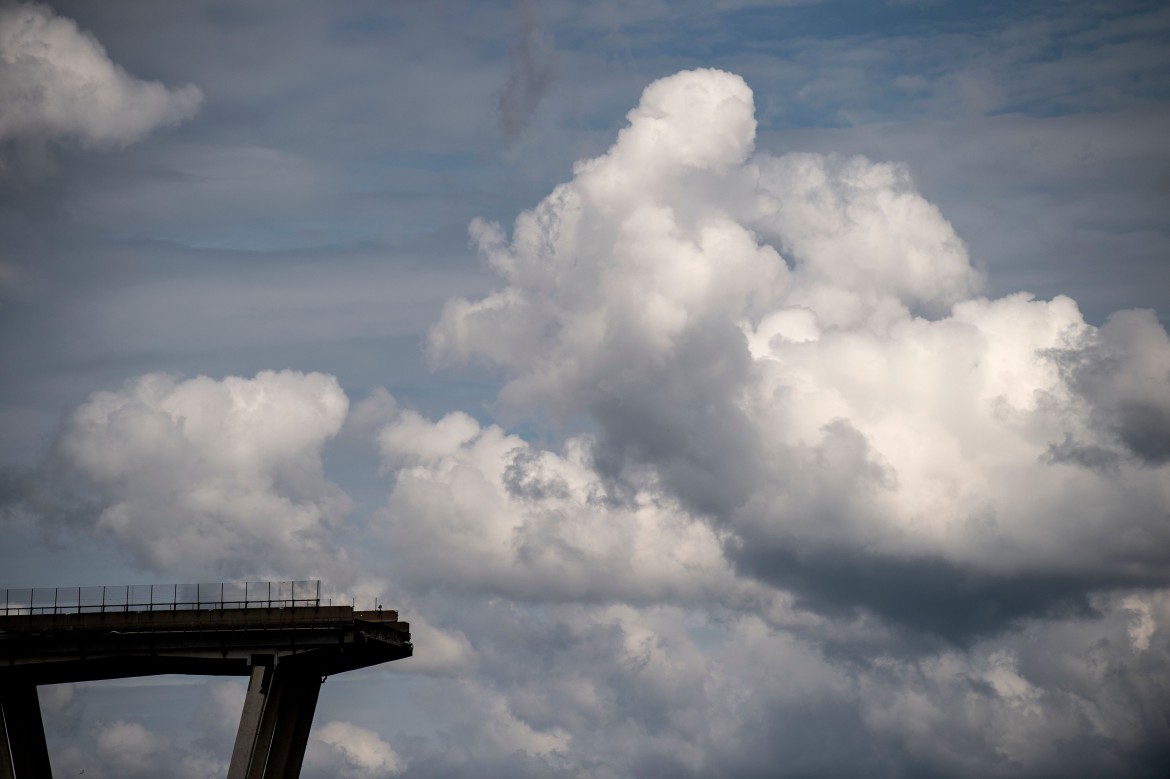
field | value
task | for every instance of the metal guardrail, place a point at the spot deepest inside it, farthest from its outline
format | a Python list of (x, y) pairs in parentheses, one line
[(162, 597)]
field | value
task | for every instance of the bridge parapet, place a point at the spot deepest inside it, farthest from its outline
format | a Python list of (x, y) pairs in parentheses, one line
[(161, 597)]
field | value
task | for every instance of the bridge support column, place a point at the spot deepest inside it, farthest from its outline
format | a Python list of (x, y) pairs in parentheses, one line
[(290, 737), (249, 728), (275, 722), (23, 753), (7, 770)]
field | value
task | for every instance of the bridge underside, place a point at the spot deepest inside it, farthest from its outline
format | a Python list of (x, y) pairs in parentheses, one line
[(285, 652)]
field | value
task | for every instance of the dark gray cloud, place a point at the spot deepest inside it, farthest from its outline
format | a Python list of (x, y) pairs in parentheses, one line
[(1094, 457), (700, 441), (1122, 373), (532, 70), (929, 596), (1145, 429)]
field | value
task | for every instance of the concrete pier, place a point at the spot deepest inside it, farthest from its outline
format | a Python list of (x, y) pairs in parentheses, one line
[(24, 733)]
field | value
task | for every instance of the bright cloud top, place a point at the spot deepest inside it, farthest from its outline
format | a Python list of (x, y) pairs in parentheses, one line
[(537, 525), (795, 349), (362, 750), (57, 82), (213, 473)]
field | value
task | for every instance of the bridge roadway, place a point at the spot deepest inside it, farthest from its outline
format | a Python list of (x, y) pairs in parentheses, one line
[(285, 652)]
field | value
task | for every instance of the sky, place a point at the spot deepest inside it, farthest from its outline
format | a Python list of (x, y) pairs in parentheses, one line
[(719, 389)]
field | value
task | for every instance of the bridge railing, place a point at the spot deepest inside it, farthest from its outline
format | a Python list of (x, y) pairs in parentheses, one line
[(162, 597)]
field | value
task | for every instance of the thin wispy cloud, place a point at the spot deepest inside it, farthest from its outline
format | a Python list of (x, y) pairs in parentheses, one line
[(532, 70)]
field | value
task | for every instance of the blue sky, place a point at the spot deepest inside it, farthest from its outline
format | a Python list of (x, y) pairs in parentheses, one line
[(763, 370)]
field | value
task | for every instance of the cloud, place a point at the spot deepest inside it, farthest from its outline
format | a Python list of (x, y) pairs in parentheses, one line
[(795, 350), (118, 749), (531, 71), (217, 474), (654, 690), (1123, 372), (991, 65), (833, 512), (130, 747), (363, 750), (476, 510), (58, 84)]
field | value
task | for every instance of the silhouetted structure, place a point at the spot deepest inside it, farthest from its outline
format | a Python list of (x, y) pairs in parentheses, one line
[(285, 644)]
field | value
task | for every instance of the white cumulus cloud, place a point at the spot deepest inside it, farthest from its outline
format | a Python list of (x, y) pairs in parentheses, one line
[(219, 473), (362, 749), (795, 350), (58, 83)]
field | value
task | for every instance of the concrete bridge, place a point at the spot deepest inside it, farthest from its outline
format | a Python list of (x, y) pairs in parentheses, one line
[(286, 647)]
